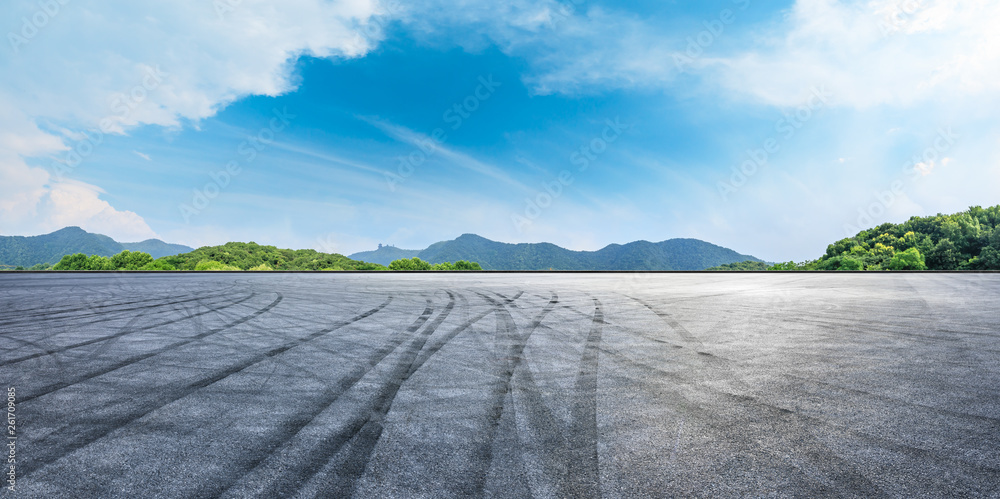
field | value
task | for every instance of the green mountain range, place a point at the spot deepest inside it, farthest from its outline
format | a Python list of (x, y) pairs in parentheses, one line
[(672, 254), (27, 251)]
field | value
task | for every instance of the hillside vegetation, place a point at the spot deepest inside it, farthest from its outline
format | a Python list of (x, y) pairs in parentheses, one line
[(741, 266), (243, 256), (673, 254), (248, 256), (969, 240), (45, 250)]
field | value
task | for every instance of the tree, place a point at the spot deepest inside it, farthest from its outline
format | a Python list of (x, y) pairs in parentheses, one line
[(76, 261), (158, 265), (944, 256), (848, 263), (464, 265), (989, 259), (910, 259), (98, 262), (131, 260), (409, 264), (783, 266), (213, 265)]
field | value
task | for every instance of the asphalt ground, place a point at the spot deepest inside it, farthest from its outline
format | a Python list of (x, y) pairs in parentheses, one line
[(502, 385)]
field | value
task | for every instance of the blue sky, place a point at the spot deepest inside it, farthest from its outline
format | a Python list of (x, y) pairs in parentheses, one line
[(346, 124)]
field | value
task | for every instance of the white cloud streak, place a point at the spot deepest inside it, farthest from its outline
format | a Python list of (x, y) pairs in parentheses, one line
[(101, 68)]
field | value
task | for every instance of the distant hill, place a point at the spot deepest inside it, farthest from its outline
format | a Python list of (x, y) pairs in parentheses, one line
[(673, 254), (384, 255), (50, 248), (157, 248)]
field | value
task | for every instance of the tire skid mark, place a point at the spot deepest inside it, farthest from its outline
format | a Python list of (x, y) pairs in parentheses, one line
[(288, 345), (138, 358), (361, 434), (510, 351), (121, 333), (49, 315), (669, 319), (75, 306), (53, 447), (166, 397), (986, 420), (327, 398), (50, 352), (273, 353), (59, 328), (508, 300), (583, 467), (843, 473), (189, 311)]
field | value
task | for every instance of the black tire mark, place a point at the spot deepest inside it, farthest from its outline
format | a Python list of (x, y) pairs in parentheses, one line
[(327, 398), (120, 333), (583, 467), (138, 358), (50, 315), (147, 311), (510, 300), (278, 360), (669, 319), (796, 426), (509, 356), (167, 396), (361, 434), (189, 310)]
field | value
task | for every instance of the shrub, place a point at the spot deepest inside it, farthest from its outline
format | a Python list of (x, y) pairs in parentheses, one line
[(409, 264), (213, 265), (910, 259), (158, 265)]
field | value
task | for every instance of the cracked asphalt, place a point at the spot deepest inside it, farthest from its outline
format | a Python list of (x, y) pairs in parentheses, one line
[(503, 385)]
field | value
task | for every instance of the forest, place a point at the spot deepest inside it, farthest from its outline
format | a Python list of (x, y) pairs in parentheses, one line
[(243, 256), (969, 240)]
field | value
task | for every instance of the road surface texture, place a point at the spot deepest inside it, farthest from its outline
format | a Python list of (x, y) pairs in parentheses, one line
[(503, 385)]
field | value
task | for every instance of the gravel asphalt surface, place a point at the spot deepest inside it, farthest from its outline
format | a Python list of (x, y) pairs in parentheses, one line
[(502, 385)]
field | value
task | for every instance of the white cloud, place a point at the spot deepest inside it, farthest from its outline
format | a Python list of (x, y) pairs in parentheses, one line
[(871, 53), (103, 67), (570, 48), (428, 146)]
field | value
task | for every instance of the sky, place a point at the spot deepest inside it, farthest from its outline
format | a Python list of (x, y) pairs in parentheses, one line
[(770, 127)]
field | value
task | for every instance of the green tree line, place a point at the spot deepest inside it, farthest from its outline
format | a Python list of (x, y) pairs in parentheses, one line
[(969, 240), (244, 256), (418, 264)]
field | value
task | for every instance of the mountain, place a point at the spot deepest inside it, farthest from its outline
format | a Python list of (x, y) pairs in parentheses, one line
[(50, 248), (157, 248), (673, 254), (384, 255)]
